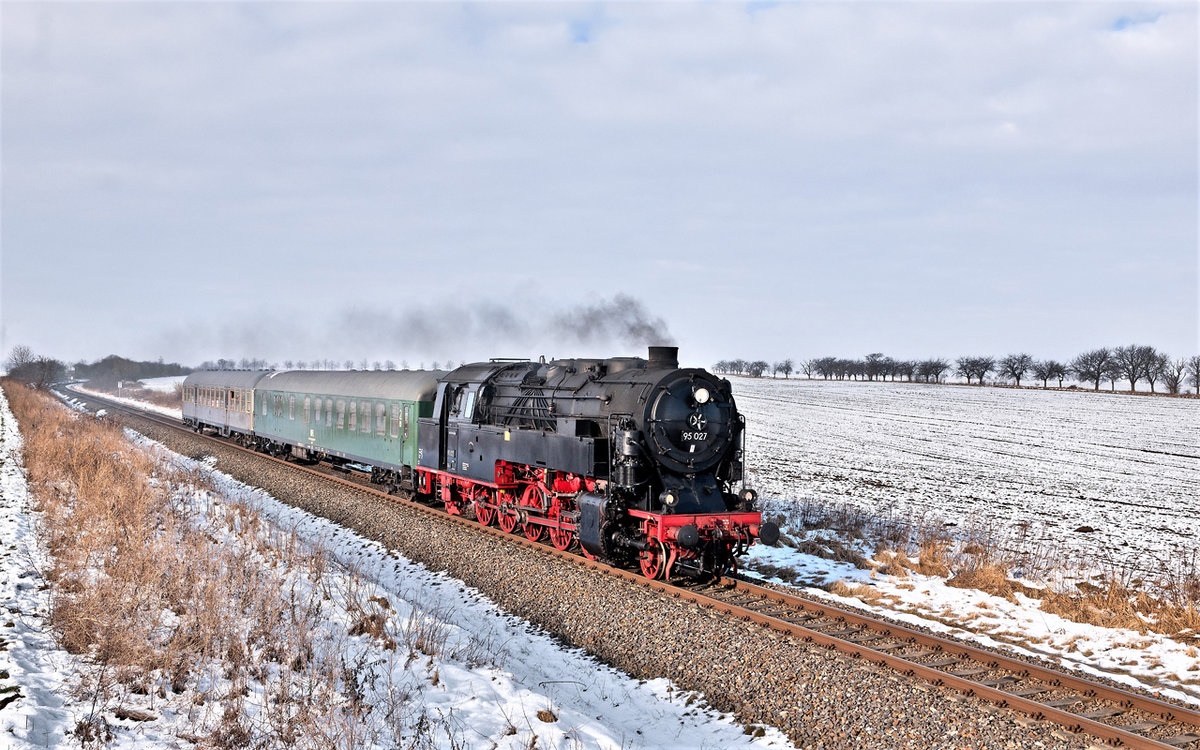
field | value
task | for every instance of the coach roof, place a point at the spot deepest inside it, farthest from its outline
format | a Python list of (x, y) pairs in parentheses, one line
[(405, 385), (234, 379)]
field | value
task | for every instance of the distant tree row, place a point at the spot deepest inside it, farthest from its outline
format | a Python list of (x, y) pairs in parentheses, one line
[(1134, 363), (112, 369)]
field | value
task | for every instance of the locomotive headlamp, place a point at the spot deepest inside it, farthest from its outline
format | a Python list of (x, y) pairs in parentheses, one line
[(669, 498), (701, 395)]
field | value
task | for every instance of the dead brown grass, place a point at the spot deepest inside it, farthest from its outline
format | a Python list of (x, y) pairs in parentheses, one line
[(989, 558), (146, 592)]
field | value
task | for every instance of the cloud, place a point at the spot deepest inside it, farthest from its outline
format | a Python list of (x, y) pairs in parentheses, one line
[(774, 162)]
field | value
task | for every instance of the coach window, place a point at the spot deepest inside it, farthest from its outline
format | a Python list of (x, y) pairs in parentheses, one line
[(395, 419), (406, 407), (307, 409), (380, 419), (264, 406), (329, 412), (292, 408), (353, 415), (364, 416), (341, 413)]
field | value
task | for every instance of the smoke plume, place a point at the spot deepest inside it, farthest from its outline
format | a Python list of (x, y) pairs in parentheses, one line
[(620, 325)]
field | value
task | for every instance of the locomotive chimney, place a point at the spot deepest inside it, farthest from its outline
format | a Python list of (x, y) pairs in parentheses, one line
[(664, 356)]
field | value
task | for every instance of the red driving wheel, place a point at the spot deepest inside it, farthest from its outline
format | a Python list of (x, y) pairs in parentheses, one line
[(507, 516), (480, 497), (535, 500), (654, 560), (560, 538)]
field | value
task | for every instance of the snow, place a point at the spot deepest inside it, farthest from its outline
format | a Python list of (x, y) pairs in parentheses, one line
[(1126, 466), (162, 385), (31, 666), (483, 689), (601, 707), (1150, 660), (176, 412)]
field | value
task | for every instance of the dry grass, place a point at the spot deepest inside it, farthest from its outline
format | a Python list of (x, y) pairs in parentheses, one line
[(991, 559), (162, 601)]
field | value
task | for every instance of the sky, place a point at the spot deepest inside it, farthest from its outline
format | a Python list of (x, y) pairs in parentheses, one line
[(428, 181)]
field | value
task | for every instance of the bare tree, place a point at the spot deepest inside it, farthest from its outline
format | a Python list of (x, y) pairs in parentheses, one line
[(1172, 374), (1057, 370), (873, 365), (932, 369), (786, 366), (757, 368), (1133, 362), (975, 367), (964, 368), (18, 357), (1015, 366), (1092, 366), (1041, 371), (1156, 366), (1193, 368), (38, 371), (1112, 371), (808, 367), (389, 365)]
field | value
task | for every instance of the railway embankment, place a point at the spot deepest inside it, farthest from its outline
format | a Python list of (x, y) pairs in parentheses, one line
[(819, 698), (175, 606)]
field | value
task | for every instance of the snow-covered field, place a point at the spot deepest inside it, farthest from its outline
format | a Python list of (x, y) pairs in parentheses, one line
[(495, 683), (176, 412), (1127, 467), (162, 385)]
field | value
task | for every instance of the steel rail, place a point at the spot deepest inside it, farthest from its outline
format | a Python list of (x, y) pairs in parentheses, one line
[(1088, 689)]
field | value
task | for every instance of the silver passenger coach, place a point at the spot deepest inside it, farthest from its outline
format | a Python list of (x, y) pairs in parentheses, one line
[(222, 400)]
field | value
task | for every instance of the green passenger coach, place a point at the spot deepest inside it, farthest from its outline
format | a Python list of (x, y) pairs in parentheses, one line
[(368, 417)]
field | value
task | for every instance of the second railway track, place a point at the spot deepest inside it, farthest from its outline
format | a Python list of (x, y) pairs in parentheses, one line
[(1117, 717)]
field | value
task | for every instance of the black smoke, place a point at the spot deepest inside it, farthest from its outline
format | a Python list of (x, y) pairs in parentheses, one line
[(416, 334), (623, 320)]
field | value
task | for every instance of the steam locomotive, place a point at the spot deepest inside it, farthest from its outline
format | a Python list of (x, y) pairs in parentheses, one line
[(635, 460)]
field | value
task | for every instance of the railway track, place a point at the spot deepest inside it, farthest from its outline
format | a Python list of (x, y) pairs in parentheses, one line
[(1117, 717)]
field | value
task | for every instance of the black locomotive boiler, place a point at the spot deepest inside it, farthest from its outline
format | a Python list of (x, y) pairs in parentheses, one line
[(636, 459)]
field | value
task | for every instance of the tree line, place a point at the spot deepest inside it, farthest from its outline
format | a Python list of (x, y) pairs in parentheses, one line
[(1133, 364)]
